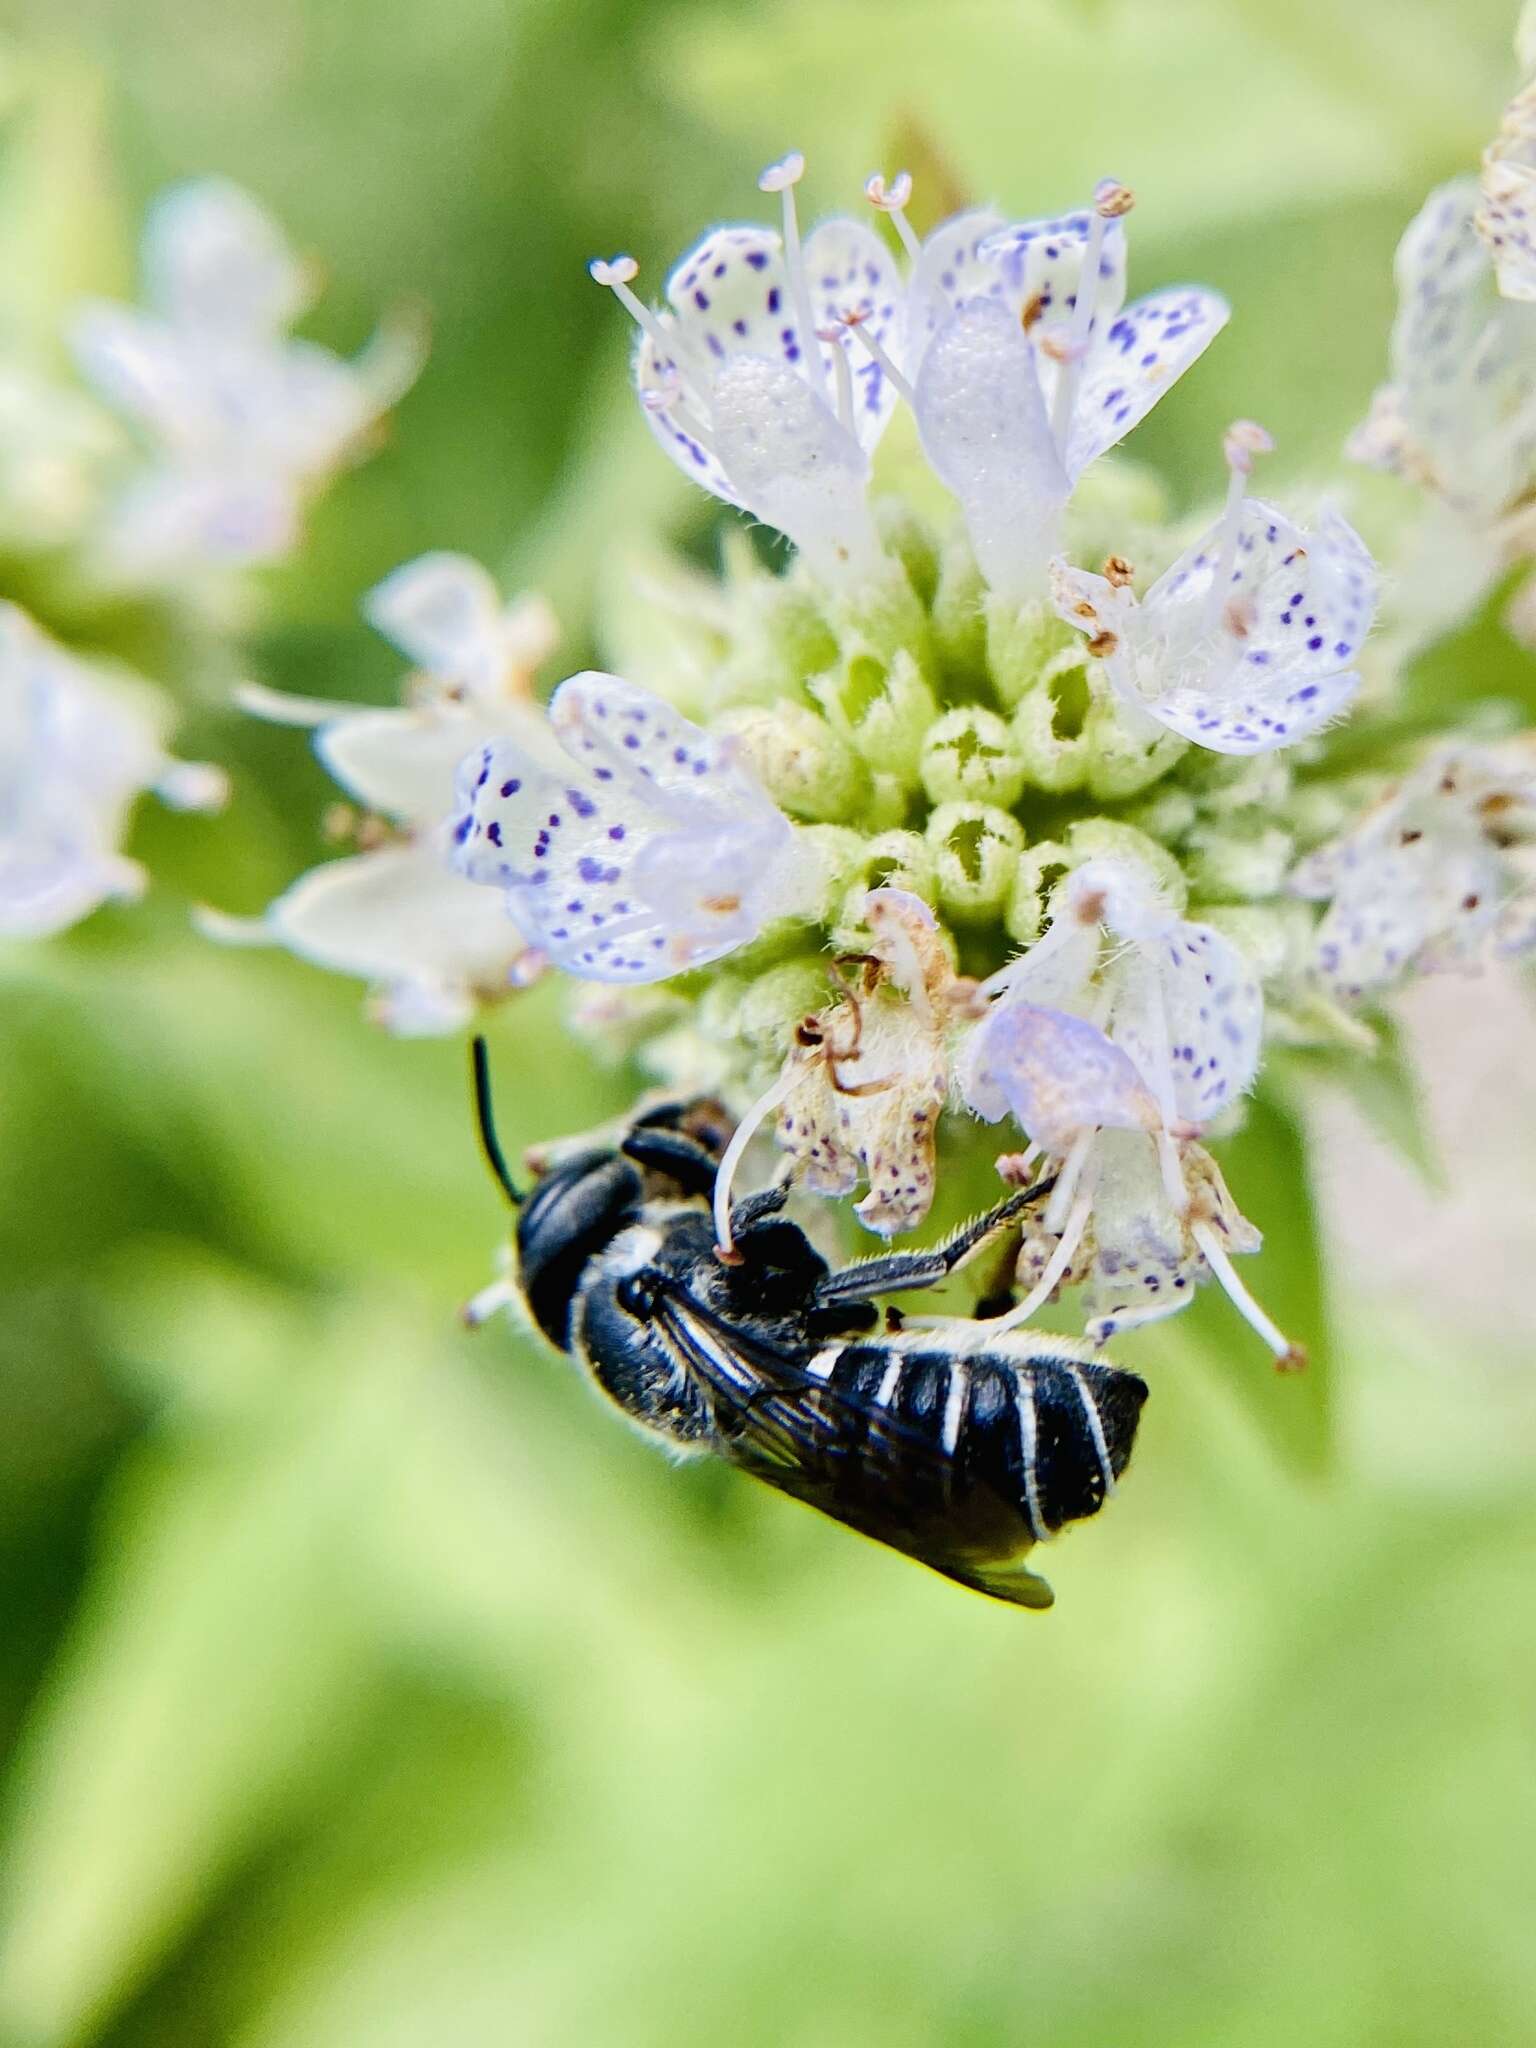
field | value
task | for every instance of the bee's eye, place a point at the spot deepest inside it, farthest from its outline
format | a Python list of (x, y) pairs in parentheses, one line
[(636, 1295)]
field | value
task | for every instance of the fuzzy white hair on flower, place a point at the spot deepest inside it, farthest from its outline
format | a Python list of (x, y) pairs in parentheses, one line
[(433, 947), (1428, 879), (630, 844), (1248, 641), (242, 423), (746, 377), (79, 743), (1026, 365)]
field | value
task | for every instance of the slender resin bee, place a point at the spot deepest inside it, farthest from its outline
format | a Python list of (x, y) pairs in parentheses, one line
[(960, 1446)]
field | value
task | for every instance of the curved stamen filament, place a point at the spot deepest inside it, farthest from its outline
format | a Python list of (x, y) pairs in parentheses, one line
[(725, 1173), (834, 337), (891, 200), (615, 276), (1288, 1356), (1060, 1263)]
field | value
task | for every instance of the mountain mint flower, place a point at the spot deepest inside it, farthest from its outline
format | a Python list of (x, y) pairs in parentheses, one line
[(746, 380), (395, 914), (1247, 642), (1458, 417), (629, 843), (79, 743), (242, 424), (1036, 367), (1431, 877)]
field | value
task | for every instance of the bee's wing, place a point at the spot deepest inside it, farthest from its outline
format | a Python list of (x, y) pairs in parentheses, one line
[(851, 1458)]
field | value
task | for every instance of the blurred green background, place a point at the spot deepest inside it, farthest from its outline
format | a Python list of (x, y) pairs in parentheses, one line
[(365, 1683)]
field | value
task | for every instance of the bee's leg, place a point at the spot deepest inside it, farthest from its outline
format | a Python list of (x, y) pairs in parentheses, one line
[(679, 1157), (902, 1272)]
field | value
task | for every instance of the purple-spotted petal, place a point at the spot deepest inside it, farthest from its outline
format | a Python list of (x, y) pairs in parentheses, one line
[(793, 463), (950, 272), (1056, 1074), (1134, 360), (1189, 1012), (850, 270), (1040, 262)]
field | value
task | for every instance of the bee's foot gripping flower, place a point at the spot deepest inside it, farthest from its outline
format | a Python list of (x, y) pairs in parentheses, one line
[(631, 845)]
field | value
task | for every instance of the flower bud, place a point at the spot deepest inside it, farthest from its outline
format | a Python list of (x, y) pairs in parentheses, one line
[(1021, 639), (808, 769), (1050, 725), (976, 850), (884, 709), (969, 757)]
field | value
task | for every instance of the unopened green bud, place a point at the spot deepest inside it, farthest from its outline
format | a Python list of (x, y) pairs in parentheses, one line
[(1238, 859), (809, 770), (832, 860), (960, 611), (1050, 726), (908, 536), (969, 757), (1122, 763), (772, 1004), (976, 850), (882, 616), (1021, 640), (883, 708), (1108, 839), (1167, 815), (1041, 866), (1277, 937), (891, 860)]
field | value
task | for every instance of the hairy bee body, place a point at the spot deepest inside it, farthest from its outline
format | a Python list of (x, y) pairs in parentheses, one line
[(959, 1446)]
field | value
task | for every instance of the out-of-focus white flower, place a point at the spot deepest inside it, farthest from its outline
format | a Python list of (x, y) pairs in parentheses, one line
[(1430, 878), (630, 845), (396, 915), (1248, 641), (1026, 365), (745, 378), (243, 425), (79, 743), (56, 447), (1458, 414)]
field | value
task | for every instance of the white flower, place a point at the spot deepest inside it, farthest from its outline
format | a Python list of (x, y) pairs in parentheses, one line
[(243, 424), (1458, 414), (1506, 217), (78, 746), (745, 379), (630, 844), (1431, 877), (433, 946), (1116, 1037), (1026, 365), (1248, 641), (871, 1075)]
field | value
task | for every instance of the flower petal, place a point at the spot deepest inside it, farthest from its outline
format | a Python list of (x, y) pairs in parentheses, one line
[(984, 426), (950, 271), (213, 258), (1041, 261), (730, 296), (1057, 1074), (850, 270), (1189, 1010), (443, 611), (1142, 352), (792, 463)]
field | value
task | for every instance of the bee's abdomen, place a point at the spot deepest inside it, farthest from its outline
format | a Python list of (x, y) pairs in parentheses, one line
[(1047, 1435)]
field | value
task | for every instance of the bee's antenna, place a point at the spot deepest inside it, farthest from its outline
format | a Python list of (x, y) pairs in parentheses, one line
[(485, 1122)]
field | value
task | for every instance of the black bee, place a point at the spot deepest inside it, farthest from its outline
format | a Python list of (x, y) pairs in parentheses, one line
[(960, 1446)]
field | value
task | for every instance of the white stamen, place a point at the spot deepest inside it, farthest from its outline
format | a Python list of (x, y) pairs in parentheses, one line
[(854, 322), (1242, 441), (225, 930), (834, 336), (1110, 200), (193, 786), (1046, 1285), (282, 707), (482, 1306), (782, 178), (669, 400), (615, 277), (892, 201), (1286, 1353), (745, 1131), (1067, 1180)]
